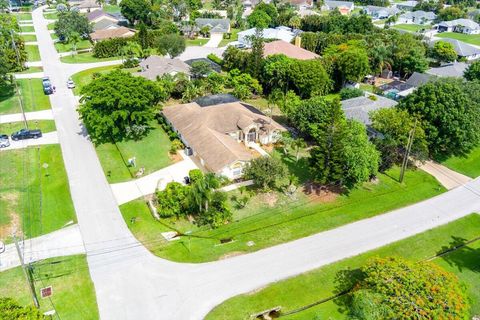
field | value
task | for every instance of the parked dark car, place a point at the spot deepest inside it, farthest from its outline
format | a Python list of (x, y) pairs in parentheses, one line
[(4, 141), (26, 134), (47, 86)]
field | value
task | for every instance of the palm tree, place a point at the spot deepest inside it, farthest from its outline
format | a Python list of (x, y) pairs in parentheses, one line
[(298, 144), (286, 141), (74, 38), (202, 190), (295, 22)]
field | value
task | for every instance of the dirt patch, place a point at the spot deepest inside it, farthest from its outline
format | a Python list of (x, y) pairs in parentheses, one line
[(270, 198), (6, 231), (175, 157), (319, 193), (231, 255)]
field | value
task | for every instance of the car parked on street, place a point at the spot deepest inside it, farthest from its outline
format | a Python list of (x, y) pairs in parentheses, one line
[(4, 141), (47, 86), (26, 134), (70, 84)]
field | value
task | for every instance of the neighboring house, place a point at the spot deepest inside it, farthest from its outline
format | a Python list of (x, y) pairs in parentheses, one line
[(97, 15), (120, 32), (463, 50), (278, 33), (395, 89), (345, 7), (155, 67), (215, 26), (417, 17), (381, 12), (303, 12), (455, 70), (418, 79), (105, 24), (220, 135), (466, 26), (85, 6), (359, 108), (215, 67), (301, 3), (288, 49), (406, 5)]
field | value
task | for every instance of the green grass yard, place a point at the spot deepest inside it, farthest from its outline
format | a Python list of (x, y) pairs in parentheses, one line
[(44, 125), (468, 38), (27, 28), (85, 58), (271, 219), (319, 284), (51, 26), (233, 37), (152, 152), (31, 70), (32, 94), (111, 8), (51, 15), (84, 77), (196, 42), (29, 37), (34, 193), (32, 52), (23, 16), (410, 27), (73, 291), (468, 165), (66, 47)]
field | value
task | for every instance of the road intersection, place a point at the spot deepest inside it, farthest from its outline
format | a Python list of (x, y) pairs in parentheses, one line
[(131, 283)]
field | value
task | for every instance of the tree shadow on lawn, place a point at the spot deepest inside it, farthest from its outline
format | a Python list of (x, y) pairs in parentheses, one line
[(345, 281), (6, 91), (458, 254), (299, 168)]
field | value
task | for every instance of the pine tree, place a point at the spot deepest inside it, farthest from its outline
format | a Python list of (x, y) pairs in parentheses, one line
[(143, 36)]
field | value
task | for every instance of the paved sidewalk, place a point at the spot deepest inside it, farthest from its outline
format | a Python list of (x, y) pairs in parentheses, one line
[(47, 138), (131, 190), (63, 242), (34, 64), (448, 178), (29, 75), (35, 115)]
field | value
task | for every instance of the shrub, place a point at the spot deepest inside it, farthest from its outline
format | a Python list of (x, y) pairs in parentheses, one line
[(109, 48), (213, 57), (130, 63), (176, 145), (349, 93), (195, 175)]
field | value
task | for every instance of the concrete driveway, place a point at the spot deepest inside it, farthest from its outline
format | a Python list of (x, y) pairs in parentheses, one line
[(47, 138), (215, 39)]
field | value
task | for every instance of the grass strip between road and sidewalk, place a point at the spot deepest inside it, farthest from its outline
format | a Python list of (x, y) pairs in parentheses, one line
[(313, 286)]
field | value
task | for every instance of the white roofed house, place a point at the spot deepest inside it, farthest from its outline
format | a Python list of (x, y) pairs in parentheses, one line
[(220, 135), (417, 17), (345, 7), (381, 12), (466, 26), (214, 25), (463, 50), (278, 33), (406, 5)]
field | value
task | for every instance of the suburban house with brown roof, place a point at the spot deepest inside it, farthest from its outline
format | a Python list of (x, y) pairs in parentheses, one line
[(288, 49), (121, 32), (220, 135), (156, 66)]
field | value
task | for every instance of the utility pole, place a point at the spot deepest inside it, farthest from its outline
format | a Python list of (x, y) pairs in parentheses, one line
[(411, 136), (27, 272), (14, 46)]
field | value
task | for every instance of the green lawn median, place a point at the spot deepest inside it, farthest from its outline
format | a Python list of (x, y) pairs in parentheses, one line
[(32, 52), (32, 94), (84, 77), (34, 193), (86, 57), (73, 293), (273, 218), (67, 47), (24, 28), (311, 287)]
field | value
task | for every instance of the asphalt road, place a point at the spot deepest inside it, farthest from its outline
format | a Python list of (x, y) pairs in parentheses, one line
[(131, 283)]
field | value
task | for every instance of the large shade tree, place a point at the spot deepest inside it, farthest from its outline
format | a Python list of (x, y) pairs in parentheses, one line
[(171, 44), (72, 21), (136, 10), (118, 106), (449, 113), (10, 59)]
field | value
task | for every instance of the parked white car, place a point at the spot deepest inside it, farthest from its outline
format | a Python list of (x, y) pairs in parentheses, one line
[(4, 141), (70, 84)]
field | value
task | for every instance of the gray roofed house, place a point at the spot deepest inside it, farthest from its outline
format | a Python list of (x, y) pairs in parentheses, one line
[(344, 7), (220, 135), (105, 24), (359, 108), (215, 25), (417, 17), (381, 12), (155, 66), (455, 70), (466, 26), (406, 5), (463, 50), (417, 79)]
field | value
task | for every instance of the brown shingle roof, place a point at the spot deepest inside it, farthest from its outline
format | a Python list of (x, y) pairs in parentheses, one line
[(121, 32), (206, 130), (288, 49)]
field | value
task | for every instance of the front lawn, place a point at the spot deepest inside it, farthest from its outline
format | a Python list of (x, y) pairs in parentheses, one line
[(468, 165), (29, 37), (27, 28), (44, 125), (51, 15), (51, 26), (468, 38), (34, 193), (32, 52), (86, 57), (233, 37), (111, 8), (31, 70), (274, 218), (410, 27), (73, 291), (23, 16), (321, 283), (196, 42), (32, 94), (66, 47), (151, 152), (84, 77)]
